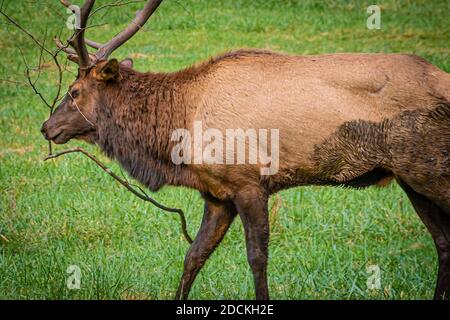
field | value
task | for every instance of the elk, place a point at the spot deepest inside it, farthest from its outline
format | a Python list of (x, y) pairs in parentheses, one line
[(344, 119)]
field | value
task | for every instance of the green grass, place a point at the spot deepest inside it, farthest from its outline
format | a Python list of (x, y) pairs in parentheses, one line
[(68, 212)]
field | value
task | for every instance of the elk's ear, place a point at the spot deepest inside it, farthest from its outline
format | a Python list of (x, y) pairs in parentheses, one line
[(127, 62), (107, 70)]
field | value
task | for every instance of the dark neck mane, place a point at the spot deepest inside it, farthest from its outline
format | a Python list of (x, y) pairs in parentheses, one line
[(136, 118)]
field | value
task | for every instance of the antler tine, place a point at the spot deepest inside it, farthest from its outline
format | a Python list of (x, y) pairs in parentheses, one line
[(137, 23), (79, 43), (77, 40), (93, 44), (63, 47), (65, 3)]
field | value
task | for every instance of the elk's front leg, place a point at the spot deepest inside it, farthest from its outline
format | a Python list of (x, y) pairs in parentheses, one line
[(217, 218), (251, 204)]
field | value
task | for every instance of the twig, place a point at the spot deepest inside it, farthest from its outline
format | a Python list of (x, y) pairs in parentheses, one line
[(31, 82), (17, 25), (54, 56), (18, 83), (36, 91), (40, 60), (139, 192)]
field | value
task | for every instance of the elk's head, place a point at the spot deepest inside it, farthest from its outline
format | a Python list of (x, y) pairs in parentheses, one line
[(75, 116)]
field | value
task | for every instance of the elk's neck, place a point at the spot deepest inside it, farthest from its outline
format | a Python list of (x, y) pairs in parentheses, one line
[(135, 121)]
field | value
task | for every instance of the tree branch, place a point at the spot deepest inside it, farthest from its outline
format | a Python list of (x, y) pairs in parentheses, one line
[(137, 191)]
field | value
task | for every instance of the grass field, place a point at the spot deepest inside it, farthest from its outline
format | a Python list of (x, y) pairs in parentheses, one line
[(68, 212)]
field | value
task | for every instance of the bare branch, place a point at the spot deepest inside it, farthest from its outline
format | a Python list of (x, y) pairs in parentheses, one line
[(30, 82), (139, 192), (18, 83), (17, 25), (41, 53), (54, 56)]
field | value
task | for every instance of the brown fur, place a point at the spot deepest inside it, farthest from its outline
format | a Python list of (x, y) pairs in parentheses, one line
[(344, 119)]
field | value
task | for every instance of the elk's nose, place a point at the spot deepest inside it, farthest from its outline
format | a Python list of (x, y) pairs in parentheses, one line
[(44, 129)]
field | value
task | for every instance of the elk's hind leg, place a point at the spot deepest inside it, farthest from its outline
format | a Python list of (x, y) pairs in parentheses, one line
[(437, 221), (217, 218)]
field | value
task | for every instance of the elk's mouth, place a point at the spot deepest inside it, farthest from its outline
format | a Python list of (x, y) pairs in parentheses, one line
[(62, 136), (59, 137)]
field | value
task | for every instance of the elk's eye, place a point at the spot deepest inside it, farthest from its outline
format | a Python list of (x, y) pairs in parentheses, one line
[(74, 93)]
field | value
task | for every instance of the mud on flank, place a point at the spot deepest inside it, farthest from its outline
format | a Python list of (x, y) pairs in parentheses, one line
[(363, 153)]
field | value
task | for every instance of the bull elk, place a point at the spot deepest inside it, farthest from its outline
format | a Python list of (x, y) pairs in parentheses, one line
[(344, 119)]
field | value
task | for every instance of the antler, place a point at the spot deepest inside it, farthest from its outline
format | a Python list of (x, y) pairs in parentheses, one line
[(79, 44), (77, 41), (137, 23)]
